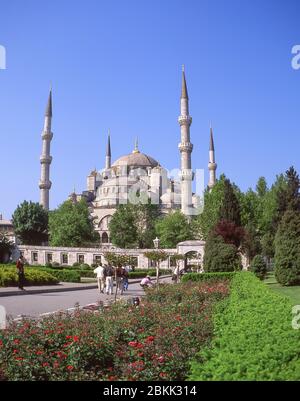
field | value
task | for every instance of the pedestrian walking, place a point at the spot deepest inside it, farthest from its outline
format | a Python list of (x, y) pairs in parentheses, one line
[(119, 279), (100, 272), (109, 274), (21, 272), (125, 278)]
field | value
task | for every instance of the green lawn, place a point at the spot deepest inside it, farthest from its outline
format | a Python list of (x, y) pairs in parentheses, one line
[(292, 292)]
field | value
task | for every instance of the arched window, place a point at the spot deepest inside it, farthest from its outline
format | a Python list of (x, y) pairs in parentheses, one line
[(104, 238)]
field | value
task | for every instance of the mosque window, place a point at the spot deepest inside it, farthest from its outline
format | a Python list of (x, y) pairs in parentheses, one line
[(34, 257), (80, 259), (104, 238), (64, 259)]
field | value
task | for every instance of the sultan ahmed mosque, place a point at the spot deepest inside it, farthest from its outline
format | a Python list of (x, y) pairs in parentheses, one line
[(133, 177)]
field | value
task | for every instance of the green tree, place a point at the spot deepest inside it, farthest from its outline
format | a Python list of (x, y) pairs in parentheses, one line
[(289, 197), (173, 229), (205, 221), (145, 216), (6, 248), (219, 256), (287, 249), (30, 222), (157, 257), (258, 266), (70, 225), (261, 187), (122, 227), (230, 208)]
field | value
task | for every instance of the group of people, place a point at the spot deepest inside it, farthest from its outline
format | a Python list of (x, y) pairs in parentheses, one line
[(105, 278)]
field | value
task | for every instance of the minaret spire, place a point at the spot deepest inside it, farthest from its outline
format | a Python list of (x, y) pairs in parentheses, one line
[(46, 159), (108, 153), (185, 148), (184, 92), (212, 165)]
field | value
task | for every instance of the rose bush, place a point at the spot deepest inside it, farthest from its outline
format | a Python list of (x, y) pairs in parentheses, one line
[(154, 341)]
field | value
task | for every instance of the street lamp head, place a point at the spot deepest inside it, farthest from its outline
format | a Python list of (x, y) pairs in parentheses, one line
[(156, 242)]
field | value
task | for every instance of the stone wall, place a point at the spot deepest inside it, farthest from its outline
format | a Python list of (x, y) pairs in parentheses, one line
[(41, 255)]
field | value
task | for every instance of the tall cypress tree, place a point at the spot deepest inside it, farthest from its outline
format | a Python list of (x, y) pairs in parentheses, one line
[(230, 209), (289, 197)]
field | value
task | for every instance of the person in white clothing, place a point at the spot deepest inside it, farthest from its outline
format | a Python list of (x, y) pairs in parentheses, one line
[(100, 271)]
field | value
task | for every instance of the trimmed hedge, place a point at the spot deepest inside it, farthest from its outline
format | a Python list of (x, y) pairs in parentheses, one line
[(253, 339), (207, 276), (67, 276), (9, 278)]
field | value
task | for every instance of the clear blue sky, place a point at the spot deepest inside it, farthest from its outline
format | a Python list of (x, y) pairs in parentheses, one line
[(117, 64)]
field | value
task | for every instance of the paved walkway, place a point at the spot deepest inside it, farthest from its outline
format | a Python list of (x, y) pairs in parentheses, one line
[(61, 287), (37, 304)]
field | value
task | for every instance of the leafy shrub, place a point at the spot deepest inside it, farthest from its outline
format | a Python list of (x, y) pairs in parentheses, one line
[(56, 265), (287, 249), (84, 266), (254, 338), (87, 273), (219, 256), (207, 276), (258, 266), (76, 264), (67, 276), (9, 277)]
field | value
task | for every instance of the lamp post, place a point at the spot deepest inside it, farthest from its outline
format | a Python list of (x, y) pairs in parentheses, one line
[(156, 243)]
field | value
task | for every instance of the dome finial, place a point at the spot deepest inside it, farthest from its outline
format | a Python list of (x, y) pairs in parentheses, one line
[(136, 146)]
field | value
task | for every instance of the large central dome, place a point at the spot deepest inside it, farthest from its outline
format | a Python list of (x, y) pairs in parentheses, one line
[(136, 159)]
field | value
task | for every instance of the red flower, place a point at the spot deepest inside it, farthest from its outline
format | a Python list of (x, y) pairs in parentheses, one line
[(1, 343), (162, 374), (161, 359), (45, 364), (39, 352), (75, 339), (16, 341), (15, 351), (150, 339), (135, 344), (70, 367), (19, 358)]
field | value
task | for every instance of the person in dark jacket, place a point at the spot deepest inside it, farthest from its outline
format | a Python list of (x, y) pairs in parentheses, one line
[(21, 272)]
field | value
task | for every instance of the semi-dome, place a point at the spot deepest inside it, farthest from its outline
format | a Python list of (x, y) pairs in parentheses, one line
[(136, 159)]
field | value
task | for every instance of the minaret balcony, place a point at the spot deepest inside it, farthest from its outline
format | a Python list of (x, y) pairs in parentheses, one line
[(47, 136), (185, 147), (185, 120), (212, 166), (186, 174), (45, 159), (45, 184)]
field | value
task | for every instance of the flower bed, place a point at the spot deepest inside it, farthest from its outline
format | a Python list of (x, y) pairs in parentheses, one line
[(254, 338), (153, 341)]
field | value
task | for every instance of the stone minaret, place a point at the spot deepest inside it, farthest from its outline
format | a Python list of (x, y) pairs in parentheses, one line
[(212, 165), (185, 147), (108, 154), (46, 159)]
